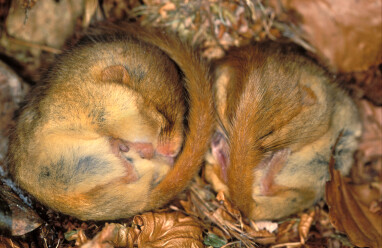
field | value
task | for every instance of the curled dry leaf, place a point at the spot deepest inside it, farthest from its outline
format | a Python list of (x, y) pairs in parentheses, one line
[(349, 210), (112, 235), (168, 230), (78, 235), (230, 212), (148, 230), (6, 242), (288, 231), (304, 225), (15, 216), (345, 33), (90, 9)]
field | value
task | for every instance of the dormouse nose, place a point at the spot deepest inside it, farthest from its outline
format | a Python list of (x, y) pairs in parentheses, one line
[(167, 150), (145, 150)]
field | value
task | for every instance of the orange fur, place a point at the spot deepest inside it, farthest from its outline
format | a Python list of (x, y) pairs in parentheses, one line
[(200, 118), (97, 140), (280, 113)]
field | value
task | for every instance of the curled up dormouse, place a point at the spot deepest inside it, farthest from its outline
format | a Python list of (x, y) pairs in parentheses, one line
[(104, 136), (279, 116)]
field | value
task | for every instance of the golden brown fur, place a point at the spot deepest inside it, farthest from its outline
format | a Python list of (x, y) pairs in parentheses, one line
[(98, 138), (279, 114)]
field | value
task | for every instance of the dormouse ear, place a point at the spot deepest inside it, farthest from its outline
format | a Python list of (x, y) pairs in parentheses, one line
[(276, 160), (308, 96), (115, 73), (273, 165)]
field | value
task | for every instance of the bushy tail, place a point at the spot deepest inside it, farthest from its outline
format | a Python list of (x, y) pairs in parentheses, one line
[(254, 130), (201, 109)]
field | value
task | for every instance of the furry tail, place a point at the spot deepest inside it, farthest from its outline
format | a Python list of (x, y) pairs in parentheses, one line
[(201, 109), (254, 129)]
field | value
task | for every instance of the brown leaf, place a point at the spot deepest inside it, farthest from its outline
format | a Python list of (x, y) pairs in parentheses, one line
[(47, 23), (78, 235), (90, 9), (9, 243), (304, 225), (287, 231), (169, 6), (15, 215), (346, 34), (349, 214), (168, 230), (112, 235), (232, 210), (187, 207)]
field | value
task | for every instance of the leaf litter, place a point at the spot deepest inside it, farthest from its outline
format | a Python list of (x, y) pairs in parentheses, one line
[(201, 217)]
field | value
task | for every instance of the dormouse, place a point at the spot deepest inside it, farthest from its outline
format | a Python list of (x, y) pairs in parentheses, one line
[(280, 115), (112, 129)]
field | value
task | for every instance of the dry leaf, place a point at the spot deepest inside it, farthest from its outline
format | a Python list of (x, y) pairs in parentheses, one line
[(349, 214), (230, 212), (304, 225), (346, 33), (91, 7), (15, 216), (288, 231), (149, 230), (78, 235), (169, 6), (9, 243), (188, 207), (168, 230), (112, 235), (47, 23)]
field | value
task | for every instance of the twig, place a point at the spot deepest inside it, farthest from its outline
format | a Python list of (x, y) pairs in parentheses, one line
[(58, 243)]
